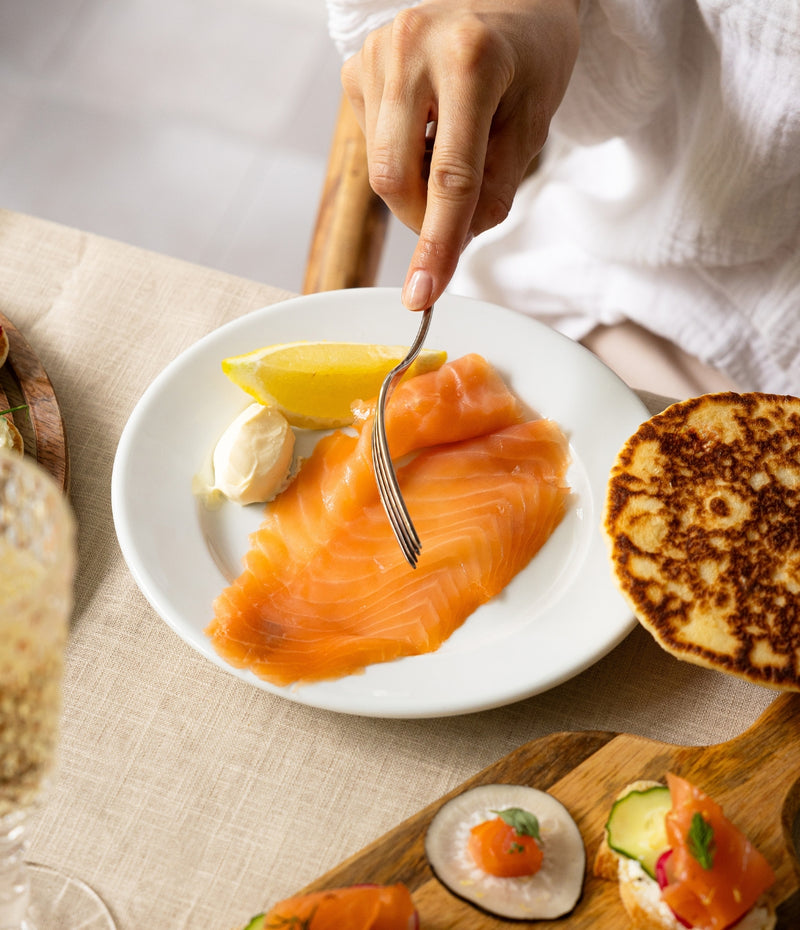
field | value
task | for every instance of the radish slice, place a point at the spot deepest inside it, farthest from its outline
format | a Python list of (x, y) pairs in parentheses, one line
[(661, 869), (663, 880), (551, 892)]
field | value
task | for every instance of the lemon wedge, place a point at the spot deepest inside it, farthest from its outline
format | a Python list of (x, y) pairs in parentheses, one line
[(314, 383)]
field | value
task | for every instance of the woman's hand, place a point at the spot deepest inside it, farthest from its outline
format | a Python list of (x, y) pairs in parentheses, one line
[(485, 78)]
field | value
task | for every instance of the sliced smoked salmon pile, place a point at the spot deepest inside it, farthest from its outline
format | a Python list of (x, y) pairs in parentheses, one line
[(325, 589)]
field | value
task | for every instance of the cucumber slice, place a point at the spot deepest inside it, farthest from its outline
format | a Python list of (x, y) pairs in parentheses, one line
[(636, 827), (257, 923)]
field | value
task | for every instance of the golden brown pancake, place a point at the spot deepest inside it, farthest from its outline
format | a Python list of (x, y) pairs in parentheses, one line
[(703, 521)]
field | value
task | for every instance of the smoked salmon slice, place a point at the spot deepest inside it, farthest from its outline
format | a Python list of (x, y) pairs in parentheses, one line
[(325, 590), (359, 907), (714, 891)]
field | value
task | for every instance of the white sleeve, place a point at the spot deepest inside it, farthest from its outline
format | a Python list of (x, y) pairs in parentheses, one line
[(350, 21)]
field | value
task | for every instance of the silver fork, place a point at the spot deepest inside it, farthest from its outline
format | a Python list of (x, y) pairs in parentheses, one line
[(385, 475)]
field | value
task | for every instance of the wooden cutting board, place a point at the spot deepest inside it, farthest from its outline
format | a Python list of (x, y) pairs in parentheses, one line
[(23, 380), (755, 777)]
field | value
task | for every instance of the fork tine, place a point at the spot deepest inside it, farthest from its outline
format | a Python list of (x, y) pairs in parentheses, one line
[(391, 496), (403, 529), (395, 505), (385, 475)]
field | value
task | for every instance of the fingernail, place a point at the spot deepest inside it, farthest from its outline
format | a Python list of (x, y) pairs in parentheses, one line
[(418, 290)]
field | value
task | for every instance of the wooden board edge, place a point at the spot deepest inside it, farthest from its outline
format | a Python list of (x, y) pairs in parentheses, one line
[(36, 390), (544, 762)]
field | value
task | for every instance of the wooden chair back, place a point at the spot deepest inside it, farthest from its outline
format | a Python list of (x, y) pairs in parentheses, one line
[(350, 228)]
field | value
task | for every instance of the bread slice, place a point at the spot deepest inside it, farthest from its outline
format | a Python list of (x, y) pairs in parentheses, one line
[(702, 519), (640, 895), (10, 437)]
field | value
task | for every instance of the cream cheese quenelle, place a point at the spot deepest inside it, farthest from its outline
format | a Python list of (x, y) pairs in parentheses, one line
[(252, 459)]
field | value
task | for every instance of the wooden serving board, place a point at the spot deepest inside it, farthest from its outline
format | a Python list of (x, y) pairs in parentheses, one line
[(755, 777), (23, 380)]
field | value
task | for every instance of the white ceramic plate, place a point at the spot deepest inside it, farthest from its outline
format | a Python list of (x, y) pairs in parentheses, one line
[(556, 618)]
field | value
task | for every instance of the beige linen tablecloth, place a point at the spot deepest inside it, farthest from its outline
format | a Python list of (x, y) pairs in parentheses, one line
[(185, 797)]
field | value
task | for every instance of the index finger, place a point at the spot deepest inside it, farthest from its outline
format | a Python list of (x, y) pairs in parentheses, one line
[(454, 185)]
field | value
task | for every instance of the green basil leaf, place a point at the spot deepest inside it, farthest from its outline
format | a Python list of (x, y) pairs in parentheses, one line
[(701, 841), (525, 823)]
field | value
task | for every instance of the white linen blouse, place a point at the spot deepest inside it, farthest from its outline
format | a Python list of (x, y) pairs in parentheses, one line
[(669, 192)]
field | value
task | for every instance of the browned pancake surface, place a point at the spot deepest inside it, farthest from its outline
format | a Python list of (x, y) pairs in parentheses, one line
[(703, 521)]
